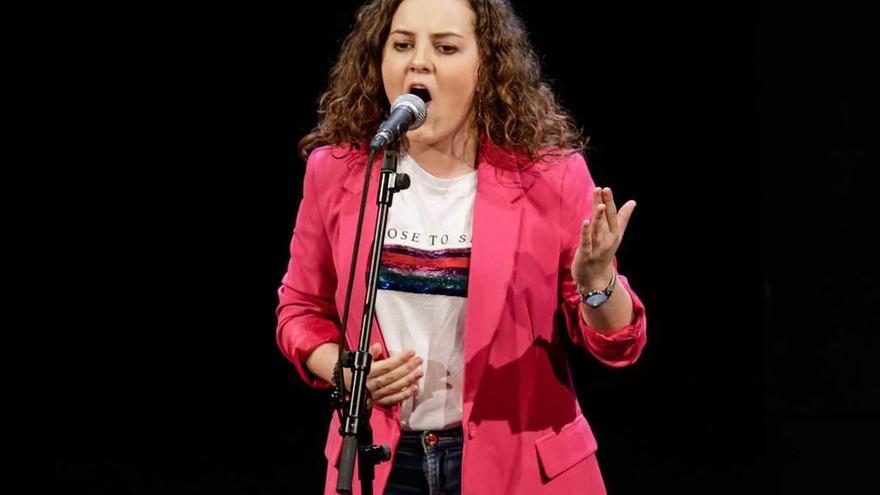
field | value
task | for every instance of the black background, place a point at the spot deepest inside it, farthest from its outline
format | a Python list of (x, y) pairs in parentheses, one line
[(745, 132)]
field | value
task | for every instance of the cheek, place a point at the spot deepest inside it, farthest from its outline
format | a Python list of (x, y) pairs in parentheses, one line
[(463, 84), (386, 84), (464, 80), (386, 74), (392, 77)]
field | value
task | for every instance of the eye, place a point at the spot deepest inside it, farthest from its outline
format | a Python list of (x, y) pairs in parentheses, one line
[(402, 45), (447, 49)]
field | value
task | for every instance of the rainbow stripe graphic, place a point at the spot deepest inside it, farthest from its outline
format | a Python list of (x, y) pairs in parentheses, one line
[(407, 269)]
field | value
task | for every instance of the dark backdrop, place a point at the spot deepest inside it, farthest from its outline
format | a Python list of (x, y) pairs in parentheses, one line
[(744, 131)]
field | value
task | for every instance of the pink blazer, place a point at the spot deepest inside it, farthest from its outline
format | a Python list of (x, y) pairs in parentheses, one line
[(523, 427)]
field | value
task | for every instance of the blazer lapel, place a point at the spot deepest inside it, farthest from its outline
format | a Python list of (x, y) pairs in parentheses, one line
[(496, 230), (347, 226)]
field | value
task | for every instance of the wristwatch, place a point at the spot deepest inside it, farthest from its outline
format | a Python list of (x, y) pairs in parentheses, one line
[(596, 298)]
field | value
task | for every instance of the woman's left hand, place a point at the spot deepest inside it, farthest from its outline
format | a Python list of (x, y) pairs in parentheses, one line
[(593, 261)]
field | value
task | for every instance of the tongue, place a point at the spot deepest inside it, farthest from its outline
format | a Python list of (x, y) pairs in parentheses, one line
[(421, 93)]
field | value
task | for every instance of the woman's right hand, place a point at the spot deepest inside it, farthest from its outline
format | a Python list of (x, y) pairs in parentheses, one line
[(391, 380)]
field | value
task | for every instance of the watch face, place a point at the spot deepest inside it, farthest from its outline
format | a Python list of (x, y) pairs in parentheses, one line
[(596, 300)]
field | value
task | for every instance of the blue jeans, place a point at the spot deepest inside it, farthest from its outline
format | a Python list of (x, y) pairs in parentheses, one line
[(427, 462)]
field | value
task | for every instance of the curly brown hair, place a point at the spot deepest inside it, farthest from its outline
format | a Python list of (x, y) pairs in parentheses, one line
[(514, 108)]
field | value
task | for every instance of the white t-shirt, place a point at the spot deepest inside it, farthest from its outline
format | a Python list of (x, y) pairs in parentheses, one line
[(421, 299)]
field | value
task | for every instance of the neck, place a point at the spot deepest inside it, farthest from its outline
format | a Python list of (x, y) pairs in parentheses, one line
[(451, 158)]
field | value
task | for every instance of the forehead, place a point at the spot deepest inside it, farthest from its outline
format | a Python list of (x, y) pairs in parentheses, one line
[(434, 16)]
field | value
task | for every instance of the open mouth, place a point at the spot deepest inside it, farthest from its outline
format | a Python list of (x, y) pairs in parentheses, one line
[(421, 92)]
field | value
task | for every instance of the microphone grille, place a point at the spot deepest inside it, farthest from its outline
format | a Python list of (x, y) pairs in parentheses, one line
[(416, 105)]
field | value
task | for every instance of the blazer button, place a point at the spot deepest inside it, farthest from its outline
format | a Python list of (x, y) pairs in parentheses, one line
[(472, 429)]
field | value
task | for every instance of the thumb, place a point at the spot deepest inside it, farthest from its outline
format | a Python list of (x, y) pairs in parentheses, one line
[(624, 214), (376, 350)]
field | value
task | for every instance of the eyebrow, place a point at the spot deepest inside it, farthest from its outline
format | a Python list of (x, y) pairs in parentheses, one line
[(433, 35)]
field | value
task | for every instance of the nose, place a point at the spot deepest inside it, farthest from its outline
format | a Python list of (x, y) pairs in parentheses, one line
[(421, 59)]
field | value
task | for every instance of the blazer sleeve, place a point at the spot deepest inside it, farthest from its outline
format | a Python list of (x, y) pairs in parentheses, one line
[(306, 312), (624, 346)]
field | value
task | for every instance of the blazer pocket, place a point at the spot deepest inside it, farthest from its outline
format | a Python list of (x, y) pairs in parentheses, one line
[(572, 444)]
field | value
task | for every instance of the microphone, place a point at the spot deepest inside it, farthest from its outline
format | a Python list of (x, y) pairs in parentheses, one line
[(407, 113)]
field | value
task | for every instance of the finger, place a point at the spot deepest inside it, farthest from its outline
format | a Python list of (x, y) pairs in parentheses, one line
[(586, 237), (392, 376), (597, 200), (384, 365), (598, 216), (375, 350), (610, 210), (600, 227), (401, 371), (624, 215), (390, 400), (407, 380)]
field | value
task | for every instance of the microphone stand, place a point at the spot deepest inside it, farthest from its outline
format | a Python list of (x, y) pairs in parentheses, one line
[(355, 414)]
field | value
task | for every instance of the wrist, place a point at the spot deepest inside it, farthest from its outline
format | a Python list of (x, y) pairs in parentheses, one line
[(322, 361), (597, 279), (595, 294), (346, 378)]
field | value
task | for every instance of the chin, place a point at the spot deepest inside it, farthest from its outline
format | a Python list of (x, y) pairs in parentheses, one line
[(423, 136)]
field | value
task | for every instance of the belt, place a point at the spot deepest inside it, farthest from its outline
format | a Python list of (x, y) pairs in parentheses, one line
[(432, 437)]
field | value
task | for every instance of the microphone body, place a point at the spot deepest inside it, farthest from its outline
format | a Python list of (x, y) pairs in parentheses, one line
[(407, 113)]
